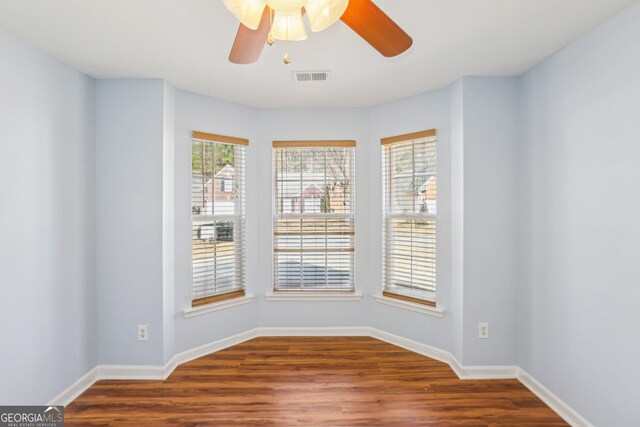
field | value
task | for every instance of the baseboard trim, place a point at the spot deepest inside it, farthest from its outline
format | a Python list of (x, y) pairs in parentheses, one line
[(150, 372), (331, 331), (490, 372), (69, 394), (129, 372), (411, 345), (554, 402), (203, 350)]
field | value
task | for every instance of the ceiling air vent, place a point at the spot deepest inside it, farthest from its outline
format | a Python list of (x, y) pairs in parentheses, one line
[(310, 76)]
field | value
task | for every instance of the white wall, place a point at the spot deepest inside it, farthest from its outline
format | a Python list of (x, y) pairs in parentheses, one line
[(47, 224), (579, 317)]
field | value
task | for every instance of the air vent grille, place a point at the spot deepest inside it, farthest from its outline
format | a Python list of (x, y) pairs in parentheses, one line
[(310, 76)]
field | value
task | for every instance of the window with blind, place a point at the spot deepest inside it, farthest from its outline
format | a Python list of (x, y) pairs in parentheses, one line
[(409, 211), (313, 230), (217, 217)]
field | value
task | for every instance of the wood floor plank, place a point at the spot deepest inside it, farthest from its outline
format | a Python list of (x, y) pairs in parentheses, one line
[(312, 381)]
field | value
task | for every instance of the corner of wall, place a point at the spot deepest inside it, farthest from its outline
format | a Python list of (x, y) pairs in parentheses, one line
[(168, 221), (457, 216)]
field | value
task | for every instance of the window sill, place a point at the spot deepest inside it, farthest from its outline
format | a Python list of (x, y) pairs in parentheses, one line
[(313, 296), (420, 308), (221, 305)]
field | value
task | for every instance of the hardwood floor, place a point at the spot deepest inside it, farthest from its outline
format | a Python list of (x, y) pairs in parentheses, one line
[(313, 381)]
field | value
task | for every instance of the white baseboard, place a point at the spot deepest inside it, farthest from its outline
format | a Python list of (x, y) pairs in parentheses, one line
[(76, 389), (331, 331), (147, 372), (203, 350), (489, 372), (463, 372), (554, 402), (415, 346), (129, 372)]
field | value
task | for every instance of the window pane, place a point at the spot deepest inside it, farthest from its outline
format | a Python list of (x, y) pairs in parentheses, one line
[(410, 208), (411, 177), (217, 206), (214, 257), (314, 253), (313, 224), (313, 180), (411, 255)]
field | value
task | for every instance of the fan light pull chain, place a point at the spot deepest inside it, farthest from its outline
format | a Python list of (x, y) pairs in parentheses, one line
[(287, 58), (270, 39)]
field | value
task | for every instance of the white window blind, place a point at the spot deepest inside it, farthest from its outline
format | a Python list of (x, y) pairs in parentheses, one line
[(314, 215), (217, 217), (410, 211)]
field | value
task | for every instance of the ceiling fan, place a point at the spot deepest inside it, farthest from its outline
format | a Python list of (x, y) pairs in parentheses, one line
[(264, 21)]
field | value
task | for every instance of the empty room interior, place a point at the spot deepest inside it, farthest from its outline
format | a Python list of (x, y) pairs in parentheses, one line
[(319, 212)]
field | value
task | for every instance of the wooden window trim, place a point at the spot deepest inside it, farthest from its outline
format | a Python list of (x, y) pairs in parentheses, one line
[(218, 298), (289, 144), (218, 138), (408, 137), (407, 298)]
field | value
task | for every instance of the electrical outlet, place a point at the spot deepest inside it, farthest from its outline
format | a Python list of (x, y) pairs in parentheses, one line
[(483, 330), (143, 333)]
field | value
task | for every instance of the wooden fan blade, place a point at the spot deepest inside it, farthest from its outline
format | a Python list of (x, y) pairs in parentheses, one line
[(249, 43), (376, 28)]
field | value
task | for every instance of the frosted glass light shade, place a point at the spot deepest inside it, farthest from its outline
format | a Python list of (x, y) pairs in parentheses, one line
[(249, 12), (323, 13), (288, 26), (285, 6)]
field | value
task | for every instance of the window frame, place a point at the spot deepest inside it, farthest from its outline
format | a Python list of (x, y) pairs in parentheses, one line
[(301, 293), (408, 298), (238, 291)]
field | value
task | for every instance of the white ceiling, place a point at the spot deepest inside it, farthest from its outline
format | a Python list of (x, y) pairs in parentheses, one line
[(187, 42)]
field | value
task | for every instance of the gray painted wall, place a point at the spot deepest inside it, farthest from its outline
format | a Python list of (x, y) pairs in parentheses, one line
[(202, 113), (580, 235), (422, 112), (310, 124), (538, 231), (457, 217), (490, 127), (129, 194), (47, 224), (168, 221)]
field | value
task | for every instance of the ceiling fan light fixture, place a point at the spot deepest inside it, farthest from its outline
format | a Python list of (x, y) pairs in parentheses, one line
[(324, 13), (288, 26), (282, 20), (249, 12), (286, 6)]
